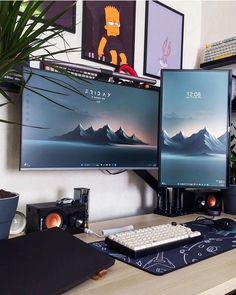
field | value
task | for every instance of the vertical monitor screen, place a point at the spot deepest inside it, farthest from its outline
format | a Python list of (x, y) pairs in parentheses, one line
[(71, 122), (194, 136)]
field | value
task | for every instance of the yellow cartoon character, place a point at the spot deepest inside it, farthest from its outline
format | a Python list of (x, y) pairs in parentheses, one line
[(110, 43)]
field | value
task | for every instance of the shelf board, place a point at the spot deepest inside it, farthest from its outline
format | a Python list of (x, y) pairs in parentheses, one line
[(218, 63), (234, 105), (9, 86)]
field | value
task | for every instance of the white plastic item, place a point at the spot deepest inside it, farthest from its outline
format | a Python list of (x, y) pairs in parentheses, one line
[(18, 223), (112, 231)]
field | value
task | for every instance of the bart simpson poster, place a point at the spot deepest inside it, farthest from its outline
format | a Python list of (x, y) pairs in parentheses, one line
[(108, 32)]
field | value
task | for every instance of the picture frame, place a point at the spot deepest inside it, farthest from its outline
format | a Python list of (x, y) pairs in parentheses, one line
[(108, 32), (67, 21), (233, 96), (233, 118), (164, 33), (233, 87)]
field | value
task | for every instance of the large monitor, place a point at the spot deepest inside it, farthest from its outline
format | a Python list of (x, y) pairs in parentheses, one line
[(86, 123), (194, 136)]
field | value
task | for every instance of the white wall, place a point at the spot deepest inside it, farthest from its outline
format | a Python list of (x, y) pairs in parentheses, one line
[(218, 23), (110, 196)]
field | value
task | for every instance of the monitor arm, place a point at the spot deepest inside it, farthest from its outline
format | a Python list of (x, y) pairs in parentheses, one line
[(165, 206)]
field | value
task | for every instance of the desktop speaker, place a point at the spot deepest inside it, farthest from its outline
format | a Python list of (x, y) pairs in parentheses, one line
[(209, 202), (229, 199), (70, 217)]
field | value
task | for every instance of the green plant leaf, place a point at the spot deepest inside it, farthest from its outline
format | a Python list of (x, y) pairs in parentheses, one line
[(18, 43), (46, 97), (3, 104), (22, 37), (19, 124), (6, 96)]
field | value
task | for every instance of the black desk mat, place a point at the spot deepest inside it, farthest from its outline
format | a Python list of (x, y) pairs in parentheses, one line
[(214, 243)]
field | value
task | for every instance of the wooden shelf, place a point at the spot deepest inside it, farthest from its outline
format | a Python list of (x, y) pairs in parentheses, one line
[(234, 105), (11, 83), (218, 63), (9, 86)]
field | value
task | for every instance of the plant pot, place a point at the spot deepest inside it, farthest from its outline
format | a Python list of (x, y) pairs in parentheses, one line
[(229, 199), (8, 207)]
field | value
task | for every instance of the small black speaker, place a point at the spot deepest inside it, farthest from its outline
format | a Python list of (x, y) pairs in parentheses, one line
[(209, 202), (71, 217), (229, 199)]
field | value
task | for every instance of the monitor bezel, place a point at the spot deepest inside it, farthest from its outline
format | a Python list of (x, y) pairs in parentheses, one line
[(227, 172), (121, 83)]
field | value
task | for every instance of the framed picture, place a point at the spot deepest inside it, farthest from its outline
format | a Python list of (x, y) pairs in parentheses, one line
[(233, 116), (164, 30), (233, 87), (108, 32), (67, 21)]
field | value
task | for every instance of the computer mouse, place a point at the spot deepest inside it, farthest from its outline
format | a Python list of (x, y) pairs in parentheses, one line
[(226, 224)]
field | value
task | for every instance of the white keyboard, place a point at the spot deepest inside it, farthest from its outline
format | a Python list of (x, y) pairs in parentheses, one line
[(150, 240)]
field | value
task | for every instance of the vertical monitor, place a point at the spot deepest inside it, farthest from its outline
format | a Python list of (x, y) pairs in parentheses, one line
[(84, 123), (194, 136)]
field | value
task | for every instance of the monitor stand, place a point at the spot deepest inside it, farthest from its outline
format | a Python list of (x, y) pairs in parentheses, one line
[(166, 206), (177, 203), (170, 206)]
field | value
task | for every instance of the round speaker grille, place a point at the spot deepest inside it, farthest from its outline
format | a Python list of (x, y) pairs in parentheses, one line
[(211, 201), (18, 223), (54, 220)]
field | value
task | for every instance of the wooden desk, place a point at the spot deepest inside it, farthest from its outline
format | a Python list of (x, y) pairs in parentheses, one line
[(213, 276)]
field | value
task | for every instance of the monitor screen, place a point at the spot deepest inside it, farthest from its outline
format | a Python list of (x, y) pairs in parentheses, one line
[(194, 136), (86, 123)]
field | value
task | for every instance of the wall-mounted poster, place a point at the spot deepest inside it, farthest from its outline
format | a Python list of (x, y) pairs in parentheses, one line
[(67, 21), (233, 87), (108, 32), (163, 48)]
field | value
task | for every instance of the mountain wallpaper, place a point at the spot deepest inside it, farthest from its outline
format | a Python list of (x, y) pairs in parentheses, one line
[(104, 135), (201, 143), (101, 124)]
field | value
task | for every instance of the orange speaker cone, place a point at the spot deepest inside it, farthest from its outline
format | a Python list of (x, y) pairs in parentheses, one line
[(211, 201), (54, 220)]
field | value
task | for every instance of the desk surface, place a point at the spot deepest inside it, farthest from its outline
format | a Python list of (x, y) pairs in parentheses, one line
[(213, 276)]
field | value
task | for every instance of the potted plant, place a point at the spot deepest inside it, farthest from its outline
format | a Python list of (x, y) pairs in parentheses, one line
[(8, 205), (24, 39)]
